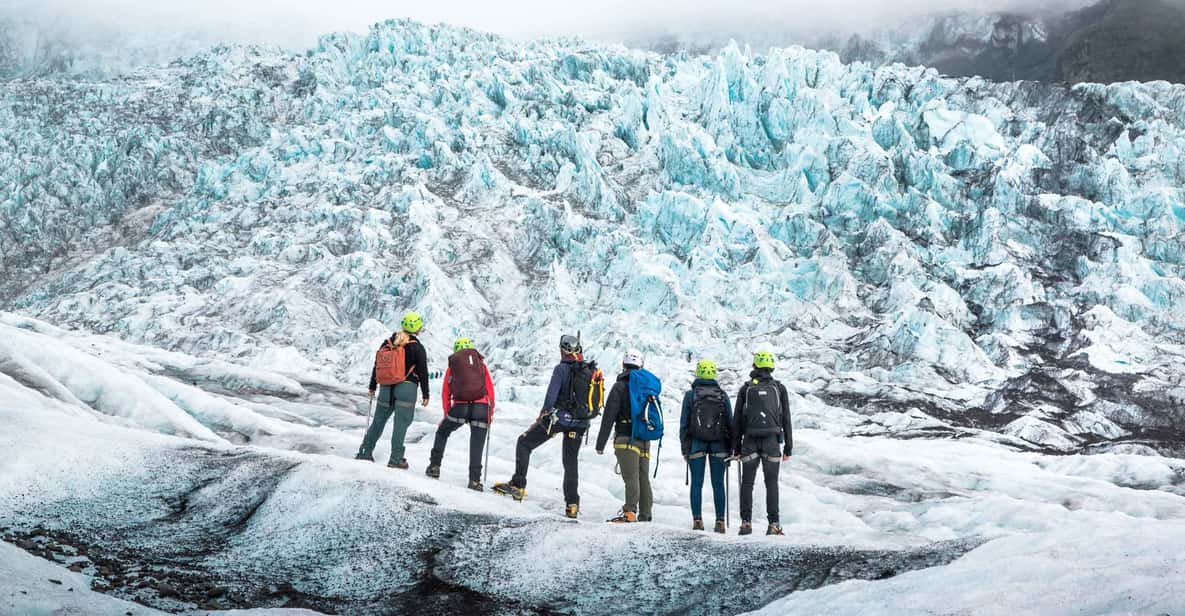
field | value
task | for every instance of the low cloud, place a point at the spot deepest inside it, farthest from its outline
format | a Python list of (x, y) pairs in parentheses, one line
[(297, 23)]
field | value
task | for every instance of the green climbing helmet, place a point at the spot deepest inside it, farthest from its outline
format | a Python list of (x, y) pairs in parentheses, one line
[(412, 322), (462, 343), (705, 369), (763, 359)]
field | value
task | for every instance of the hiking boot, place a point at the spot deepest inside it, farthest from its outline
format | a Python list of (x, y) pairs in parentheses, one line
[(720, 528), (746, 529), (645, 518), (476, 486), (400, 464), (697, 524), (364, 456), (514, 492), (433, 471), (774, 529), (626, 517), (571, 511)]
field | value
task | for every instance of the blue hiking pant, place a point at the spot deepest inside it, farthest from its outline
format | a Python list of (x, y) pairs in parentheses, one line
[(698, 465)]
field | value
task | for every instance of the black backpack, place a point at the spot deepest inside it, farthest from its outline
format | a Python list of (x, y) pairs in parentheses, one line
[(708, 411), (580, 396), (763, 409)]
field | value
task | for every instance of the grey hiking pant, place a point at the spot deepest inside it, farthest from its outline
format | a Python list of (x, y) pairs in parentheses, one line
[(634, 461), (400, 401)]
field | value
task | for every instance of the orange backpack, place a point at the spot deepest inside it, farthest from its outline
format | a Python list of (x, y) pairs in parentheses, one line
[(390, 364)]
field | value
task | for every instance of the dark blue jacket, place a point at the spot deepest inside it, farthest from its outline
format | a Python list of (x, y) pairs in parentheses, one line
[(558, 385), (694, 445)]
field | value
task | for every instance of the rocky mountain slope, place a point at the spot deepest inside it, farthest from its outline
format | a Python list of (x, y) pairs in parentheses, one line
[(1111, 41)]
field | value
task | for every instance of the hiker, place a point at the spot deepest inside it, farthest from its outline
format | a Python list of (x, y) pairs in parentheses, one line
[(761, 436), (400, 365), (468, 398), (704, 427), (633, 454), (573, 398)]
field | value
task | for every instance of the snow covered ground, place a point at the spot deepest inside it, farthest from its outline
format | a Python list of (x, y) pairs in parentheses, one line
[(252, 488)]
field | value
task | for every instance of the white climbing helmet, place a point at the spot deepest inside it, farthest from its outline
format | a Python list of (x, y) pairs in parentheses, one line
[(634, 357)]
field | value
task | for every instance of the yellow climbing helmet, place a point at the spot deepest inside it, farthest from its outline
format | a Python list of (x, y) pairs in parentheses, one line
[(412, 322), (705, 369), (462, 343), (763, 359)]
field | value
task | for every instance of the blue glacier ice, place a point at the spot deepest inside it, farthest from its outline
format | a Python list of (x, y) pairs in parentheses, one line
[(955, 230)]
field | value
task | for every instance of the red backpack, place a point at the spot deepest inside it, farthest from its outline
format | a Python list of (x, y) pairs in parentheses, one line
[(467, 370), (390, 364)]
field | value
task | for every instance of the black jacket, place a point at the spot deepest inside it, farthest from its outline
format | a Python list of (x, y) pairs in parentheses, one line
[(416, 356), (617, 411), (762, 375)]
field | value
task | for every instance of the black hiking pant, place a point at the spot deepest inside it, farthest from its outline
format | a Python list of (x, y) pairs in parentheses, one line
[(477, 416), (540, 432), (766, 452)]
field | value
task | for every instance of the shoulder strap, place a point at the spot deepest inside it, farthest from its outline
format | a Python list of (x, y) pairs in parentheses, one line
[(411, 366)]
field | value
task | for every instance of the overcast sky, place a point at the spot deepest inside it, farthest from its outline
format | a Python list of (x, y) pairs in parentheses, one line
[(296, 23)]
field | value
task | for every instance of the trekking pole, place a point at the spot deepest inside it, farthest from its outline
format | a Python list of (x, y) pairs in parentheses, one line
[(740, 477), (727, 481), (657, 458), (686, 473), (369, 409), (486, 468)]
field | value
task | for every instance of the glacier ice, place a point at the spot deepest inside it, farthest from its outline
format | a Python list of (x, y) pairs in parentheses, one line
[(277, 486), (245, 198)]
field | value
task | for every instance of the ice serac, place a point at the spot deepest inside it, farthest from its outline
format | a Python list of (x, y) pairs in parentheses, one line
[(906, 242)]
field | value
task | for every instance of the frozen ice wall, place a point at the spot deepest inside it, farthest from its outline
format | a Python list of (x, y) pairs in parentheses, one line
[(995, 255)]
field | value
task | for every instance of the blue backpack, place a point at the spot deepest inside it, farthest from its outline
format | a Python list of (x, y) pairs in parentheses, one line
[(645, 407)]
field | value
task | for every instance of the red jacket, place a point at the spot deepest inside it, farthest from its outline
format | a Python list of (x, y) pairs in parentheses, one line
[(447, 399)]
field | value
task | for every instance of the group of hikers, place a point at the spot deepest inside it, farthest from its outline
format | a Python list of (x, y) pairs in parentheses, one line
[(756, 433)]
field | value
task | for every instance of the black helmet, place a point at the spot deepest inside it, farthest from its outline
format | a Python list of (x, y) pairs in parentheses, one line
[(569, 345)]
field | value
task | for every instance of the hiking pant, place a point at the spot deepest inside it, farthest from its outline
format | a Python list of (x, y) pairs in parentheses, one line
[(764, 452), (700, 462), (400, 401), (634, 461), (477, 416), (540, 432)]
